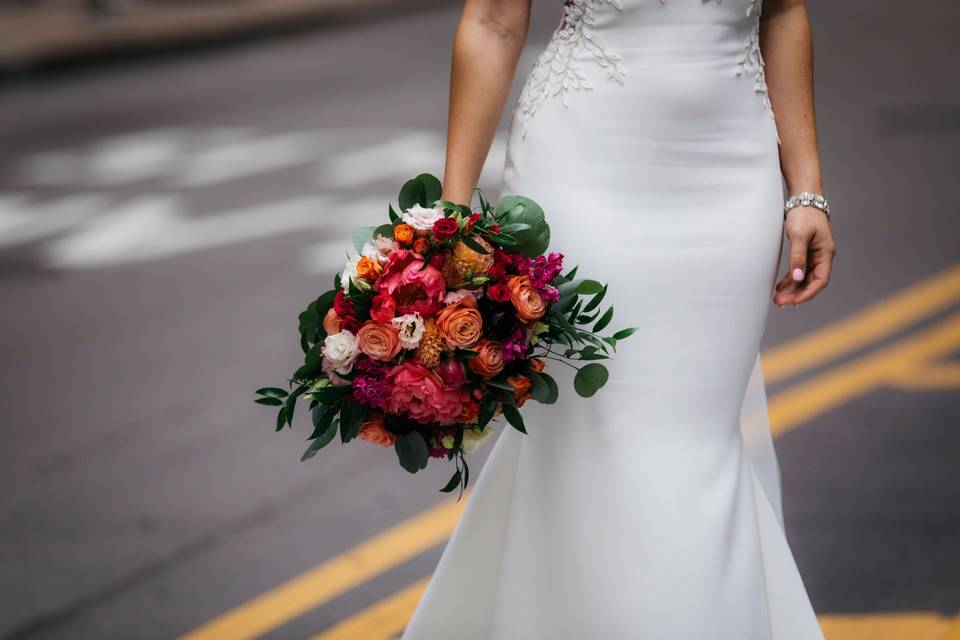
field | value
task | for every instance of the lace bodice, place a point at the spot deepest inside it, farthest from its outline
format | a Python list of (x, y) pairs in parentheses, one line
[(560, 68)]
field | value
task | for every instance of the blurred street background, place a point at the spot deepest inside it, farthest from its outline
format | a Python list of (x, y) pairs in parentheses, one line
[(178, 179)]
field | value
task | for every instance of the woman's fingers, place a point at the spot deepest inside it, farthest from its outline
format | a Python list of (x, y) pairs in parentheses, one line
[(822, 260), (811, 257)]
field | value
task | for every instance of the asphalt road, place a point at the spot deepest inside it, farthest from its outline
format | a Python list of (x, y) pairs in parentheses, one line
[(162, 221)]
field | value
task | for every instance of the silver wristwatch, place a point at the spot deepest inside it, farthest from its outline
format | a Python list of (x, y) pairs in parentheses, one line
[(807, 199)]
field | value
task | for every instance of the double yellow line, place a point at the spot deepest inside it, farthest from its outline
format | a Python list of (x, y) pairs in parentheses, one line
[(910, 358)]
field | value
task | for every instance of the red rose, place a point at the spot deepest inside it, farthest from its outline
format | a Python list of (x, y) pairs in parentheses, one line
[(495, 228), (445, 228), (472, 220), (383, 307), (500, 292), (437, 260), (421, 245)]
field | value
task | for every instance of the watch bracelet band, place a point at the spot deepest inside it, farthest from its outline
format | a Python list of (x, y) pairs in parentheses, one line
[(807, 199)]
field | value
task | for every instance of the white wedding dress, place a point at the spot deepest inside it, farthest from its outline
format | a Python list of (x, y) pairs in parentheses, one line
[(651, 510)]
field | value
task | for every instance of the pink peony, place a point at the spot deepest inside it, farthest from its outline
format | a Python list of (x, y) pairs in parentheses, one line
[(414, 287), (421, 394)]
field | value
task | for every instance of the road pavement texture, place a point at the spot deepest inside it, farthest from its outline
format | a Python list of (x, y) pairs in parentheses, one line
[(163, 220)]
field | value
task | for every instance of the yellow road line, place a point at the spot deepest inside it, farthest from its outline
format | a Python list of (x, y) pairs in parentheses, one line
[(941, 376), (338, 575), (386, 619), (887, 626), (874, 323), (803, 401)]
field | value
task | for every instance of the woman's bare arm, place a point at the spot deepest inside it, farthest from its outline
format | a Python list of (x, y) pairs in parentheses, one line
[(489, 40), (787, 48)]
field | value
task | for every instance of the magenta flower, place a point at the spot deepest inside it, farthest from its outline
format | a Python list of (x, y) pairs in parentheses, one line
[(515, 348), (371, 391)]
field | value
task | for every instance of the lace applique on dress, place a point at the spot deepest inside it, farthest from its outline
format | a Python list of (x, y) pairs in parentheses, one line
[(557, 69), (752, 59)]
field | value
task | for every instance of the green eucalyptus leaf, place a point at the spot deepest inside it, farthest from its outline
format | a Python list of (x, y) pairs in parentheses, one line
[(534, 240), (625, 333), (554, 387), (362, 236), (269, 402), (539, 389), (589, 287), (590, 378), (412, 451)]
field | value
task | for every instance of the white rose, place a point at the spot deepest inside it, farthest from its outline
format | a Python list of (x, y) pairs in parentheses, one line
[(410, 329), (349, 273), (472, 440), (339, 351), (421, 218)]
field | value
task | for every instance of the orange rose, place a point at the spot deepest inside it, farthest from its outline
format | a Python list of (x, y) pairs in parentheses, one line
[(368, 269), (378, 340), (460, 323), (374, 432), (521, 388), (536, 364), (332, 323), (489, 359), (403, 233), (530, 306)]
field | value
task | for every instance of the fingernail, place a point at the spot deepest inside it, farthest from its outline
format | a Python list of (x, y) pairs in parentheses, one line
[(798, 274)]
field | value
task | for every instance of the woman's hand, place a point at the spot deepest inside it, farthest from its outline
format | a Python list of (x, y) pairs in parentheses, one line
[(811, 256)]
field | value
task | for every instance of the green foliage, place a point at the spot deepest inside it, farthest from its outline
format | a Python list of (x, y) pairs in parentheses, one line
[(590, 378), (533, 240), (424, 190), (412, 451)]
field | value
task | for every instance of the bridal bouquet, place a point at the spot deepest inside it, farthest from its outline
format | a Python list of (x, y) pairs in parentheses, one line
[(443, 321)]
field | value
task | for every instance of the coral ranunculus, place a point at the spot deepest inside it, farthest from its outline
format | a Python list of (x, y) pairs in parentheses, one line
[(368, 268), (374, 432), (489, 359), (461, 324), (527, 300), (379, 341), (332, 323), (421, 394), (521, 388), (415, 287), (403, 233)]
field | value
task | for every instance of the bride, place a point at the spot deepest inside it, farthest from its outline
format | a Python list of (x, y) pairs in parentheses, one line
[(658, 143)]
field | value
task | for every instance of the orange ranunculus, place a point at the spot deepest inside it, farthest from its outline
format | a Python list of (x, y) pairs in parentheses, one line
[(461, 323), (536, 364), (374, 432), (471, 410), (368, 269), (403, 233), (378, 340), (529, 304), (521, 388), (489, 359), (332, 323)]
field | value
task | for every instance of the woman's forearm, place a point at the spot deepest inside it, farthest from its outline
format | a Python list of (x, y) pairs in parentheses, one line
[(489, 40), (787, 48)]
